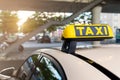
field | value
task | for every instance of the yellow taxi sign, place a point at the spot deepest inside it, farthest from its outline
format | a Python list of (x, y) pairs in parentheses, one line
[(87, 32)]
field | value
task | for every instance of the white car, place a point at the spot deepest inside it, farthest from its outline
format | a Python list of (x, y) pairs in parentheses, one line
[(53, 64), (67, 64)]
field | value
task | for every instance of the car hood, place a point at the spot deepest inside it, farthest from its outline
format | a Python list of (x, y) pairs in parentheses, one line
[(108, 57)]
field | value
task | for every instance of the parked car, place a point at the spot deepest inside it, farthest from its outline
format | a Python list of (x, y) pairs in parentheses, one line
[(44, 39)]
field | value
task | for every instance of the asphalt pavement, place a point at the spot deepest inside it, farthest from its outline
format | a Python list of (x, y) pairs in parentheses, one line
[(31, 46), (16, 58)]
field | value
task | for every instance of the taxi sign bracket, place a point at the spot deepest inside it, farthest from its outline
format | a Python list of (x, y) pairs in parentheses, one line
[(69, 46)]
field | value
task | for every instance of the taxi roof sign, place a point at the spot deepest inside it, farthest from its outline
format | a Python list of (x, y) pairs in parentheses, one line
[(87, 32)]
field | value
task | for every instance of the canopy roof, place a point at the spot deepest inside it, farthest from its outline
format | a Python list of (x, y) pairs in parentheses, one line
[(56, 5)]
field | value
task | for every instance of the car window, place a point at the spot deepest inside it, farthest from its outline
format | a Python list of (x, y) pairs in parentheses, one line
[(46, 70), (28, 67)]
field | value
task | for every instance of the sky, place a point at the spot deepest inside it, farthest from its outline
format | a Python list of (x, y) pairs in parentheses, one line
[(23, 15)]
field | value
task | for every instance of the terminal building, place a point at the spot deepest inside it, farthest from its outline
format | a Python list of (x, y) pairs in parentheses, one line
[(113, 19)]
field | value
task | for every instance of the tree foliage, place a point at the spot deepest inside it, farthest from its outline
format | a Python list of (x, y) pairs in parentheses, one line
[(83, 18), (8, 22), (38, 19), (32, 23)]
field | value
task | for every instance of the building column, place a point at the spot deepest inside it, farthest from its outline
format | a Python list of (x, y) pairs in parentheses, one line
[(96, 20)]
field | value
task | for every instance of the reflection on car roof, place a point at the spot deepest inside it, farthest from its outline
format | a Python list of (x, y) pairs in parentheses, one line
[(108, 57)]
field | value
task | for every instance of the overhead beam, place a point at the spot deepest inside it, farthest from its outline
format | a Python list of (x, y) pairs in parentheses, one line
[(41, 5), (111, 6)]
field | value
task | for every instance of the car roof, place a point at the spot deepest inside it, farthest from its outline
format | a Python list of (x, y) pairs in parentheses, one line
[(74, 67), (106, 56)]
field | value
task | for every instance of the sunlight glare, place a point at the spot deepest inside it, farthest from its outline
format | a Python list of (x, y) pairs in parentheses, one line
[(23, 15)]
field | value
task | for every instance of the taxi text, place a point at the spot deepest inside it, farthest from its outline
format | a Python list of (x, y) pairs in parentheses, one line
[(91, 31)]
